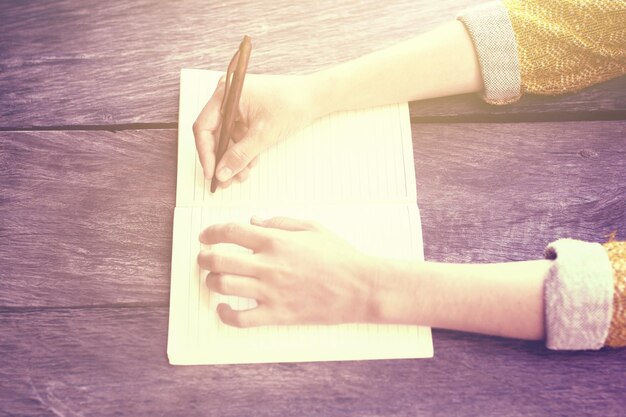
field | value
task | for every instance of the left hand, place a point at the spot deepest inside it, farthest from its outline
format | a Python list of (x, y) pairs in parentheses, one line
[(299, 273)]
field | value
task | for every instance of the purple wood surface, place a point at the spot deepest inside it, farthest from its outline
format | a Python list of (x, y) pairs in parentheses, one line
[(502, 192), (87, 215), (111, 362), (68, 63)]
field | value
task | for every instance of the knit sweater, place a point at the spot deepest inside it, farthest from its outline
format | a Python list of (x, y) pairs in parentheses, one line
[(553, 47)]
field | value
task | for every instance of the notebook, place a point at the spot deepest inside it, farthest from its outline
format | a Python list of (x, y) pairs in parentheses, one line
[(353, 172)]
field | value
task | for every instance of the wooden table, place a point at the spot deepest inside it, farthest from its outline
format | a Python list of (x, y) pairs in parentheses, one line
[(88, 102)]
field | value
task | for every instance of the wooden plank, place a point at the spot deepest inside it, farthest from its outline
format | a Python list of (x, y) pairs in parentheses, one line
[(112, 362), (64, 64), (502, 192), (86, 215)]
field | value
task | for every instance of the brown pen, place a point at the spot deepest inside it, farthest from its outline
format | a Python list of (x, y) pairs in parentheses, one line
[(230, 101)]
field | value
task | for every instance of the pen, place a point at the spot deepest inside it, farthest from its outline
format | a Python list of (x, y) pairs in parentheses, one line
[(235, 75)]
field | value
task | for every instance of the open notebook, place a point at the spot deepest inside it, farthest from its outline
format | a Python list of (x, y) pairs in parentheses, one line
[(353, 172)]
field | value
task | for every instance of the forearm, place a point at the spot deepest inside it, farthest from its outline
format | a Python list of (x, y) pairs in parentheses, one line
[(504, 299), (438, 63)]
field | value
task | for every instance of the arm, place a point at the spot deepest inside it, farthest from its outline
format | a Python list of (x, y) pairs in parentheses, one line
[(566, 298), (501, 299), (500, 49), (292, 286), (438, 63)]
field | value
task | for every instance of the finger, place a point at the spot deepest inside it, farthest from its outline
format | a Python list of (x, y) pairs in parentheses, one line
[(243, 175), (238, 131), (258, 316), (286, 223), (238, 156), (225, 184), (210, 117), (222, 262), (205, 145), (234, 285), (205, 131), (254, 162), (238, 233)]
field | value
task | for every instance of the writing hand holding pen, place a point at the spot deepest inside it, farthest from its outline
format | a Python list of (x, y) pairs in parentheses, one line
[(271, 108)]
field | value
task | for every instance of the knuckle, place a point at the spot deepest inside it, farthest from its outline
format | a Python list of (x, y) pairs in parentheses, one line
[(283, 316), (221, 284), (277, 222), (238, 320), (211, 282), (201, 259), (239, 156), (274, 243), (243, 175), (214, 261), (196, 127), (209, 232), (231, 230)]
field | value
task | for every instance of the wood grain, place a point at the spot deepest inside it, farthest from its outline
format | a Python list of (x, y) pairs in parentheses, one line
[(111, 63), (502, 192), (87, 215), (109, 362)]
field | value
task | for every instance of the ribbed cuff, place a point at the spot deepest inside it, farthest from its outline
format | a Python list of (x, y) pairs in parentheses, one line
[(490, 28), (578, 295)]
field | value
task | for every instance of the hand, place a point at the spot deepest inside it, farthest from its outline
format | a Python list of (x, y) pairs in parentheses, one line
[(299, 273), (271, 108)]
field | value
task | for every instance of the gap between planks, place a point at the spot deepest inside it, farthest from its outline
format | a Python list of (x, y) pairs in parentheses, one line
[(469, 118)]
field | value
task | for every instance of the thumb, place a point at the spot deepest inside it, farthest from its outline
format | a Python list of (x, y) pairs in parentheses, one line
[(237, 157)]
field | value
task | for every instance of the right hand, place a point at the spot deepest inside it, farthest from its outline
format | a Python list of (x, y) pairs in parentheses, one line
[(271, 108)]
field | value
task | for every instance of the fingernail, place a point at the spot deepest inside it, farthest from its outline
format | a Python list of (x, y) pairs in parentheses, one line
[(224, 174), (256, 220)]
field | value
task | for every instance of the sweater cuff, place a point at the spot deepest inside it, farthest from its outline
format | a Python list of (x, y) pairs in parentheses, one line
[(578, 295), (490, 28)]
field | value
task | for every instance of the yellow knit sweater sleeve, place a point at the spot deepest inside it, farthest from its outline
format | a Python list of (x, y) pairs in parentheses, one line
[(617, 331), (566, 45)]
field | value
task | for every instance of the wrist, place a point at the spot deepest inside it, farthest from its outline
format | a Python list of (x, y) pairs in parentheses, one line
[(393, 289), (318, 85), (372, 275), (386, 291)]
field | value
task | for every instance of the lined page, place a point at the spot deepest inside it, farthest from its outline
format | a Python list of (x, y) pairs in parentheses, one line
[(357, 156), (353, 172), (197, 336)]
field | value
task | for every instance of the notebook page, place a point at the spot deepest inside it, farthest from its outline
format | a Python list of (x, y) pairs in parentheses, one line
[(197, 336), (359, 156), (353, 172)]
